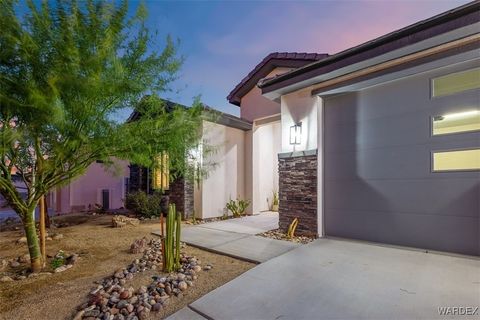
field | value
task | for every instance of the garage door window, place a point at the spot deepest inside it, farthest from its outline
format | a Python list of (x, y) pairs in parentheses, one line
[(456, 160), (456, 82), (456, 122)]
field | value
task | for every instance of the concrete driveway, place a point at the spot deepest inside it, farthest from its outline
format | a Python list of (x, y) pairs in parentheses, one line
[(337, 279)]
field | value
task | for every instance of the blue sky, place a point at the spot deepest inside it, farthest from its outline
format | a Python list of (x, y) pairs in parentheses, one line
[(223, 40)]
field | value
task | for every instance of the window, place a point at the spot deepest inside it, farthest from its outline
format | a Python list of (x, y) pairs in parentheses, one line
[(456, 160), (161, 173), (456, 82), (456, 122)]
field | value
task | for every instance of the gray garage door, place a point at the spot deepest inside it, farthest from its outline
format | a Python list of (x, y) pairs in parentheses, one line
[(379, 185)]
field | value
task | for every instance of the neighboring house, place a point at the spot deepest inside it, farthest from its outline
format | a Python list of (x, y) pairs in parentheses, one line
[(224, 182), (381, 142), (105, 187)]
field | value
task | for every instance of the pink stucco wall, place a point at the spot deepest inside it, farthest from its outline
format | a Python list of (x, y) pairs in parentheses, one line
[(87, 189), (254, 106)]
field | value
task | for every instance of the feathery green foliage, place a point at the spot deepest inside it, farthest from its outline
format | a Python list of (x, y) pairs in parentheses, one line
[(66, 70)]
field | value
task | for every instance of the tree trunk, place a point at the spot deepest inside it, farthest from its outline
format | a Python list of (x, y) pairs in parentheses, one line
[(32, 242), (42, 230)]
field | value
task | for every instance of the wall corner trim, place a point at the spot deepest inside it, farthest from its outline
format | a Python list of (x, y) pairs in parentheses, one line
[(295, 154)]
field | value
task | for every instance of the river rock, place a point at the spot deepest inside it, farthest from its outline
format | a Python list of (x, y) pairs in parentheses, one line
[(157, 307), (182, 285), (79, 315), (139, 245), (197, 268)]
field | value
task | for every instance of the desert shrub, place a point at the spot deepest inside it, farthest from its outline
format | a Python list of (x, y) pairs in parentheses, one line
[(238, 207), (58, 260), (144, 205)]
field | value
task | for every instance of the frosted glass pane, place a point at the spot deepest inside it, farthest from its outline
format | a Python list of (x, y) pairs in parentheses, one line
[(456, 82), (456, 122), (456, 160)]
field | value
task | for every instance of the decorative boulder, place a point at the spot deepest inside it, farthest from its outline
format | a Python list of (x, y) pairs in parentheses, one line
[(139, 245), (122, 221)]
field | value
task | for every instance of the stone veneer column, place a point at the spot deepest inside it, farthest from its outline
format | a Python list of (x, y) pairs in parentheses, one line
[(298, 191), (181, 193)]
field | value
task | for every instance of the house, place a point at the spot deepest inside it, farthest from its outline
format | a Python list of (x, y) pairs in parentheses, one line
[(207, 198), (100, 185), (381, 142)]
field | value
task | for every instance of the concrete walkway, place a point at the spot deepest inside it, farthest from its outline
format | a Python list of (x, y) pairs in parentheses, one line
[(336, 279), (236, 237)]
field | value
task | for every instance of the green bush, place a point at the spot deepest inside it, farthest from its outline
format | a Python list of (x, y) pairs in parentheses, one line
[(144, 205)]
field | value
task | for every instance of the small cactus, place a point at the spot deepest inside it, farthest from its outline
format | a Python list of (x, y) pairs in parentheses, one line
[(171, 254)]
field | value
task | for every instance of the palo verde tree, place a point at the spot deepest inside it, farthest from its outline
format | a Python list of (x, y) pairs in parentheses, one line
[(66, 70)]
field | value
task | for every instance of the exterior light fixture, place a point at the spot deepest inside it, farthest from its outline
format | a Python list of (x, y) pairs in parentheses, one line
[(296, 133)]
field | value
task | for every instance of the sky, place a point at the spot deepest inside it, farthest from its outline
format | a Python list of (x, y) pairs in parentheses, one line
[(222, 41)]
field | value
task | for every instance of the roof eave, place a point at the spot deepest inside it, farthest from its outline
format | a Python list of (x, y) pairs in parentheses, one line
[(442, 23)]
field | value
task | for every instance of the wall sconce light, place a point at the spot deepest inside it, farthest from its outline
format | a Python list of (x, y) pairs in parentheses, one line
[(296, 133)]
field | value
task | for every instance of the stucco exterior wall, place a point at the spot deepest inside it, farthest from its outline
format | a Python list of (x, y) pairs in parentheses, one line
[(255, 106), (298, 107), (226, 181), (248, 158), (86, 190), (266, 146)]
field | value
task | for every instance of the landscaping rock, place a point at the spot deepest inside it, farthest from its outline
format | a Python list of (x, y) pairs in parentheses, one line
[(122, 221), (57, 236), (6, 279), (119, 274), (79, 315), (157, 307), (197, 268), (22, 240), (139, 246), (72, 259), (280, 235), (24, 259), (3, 263), (182, 285), (114, 301), (14, 264), (63, 268)]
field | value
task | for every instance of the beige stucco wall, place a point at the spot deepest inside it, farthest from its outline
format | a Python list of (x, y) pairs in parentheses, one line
[(248, 175), (226, 181), (298, 107), (255, 106), (266, 146)]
